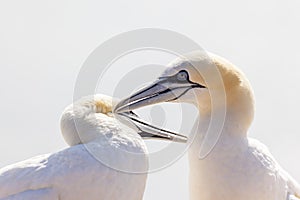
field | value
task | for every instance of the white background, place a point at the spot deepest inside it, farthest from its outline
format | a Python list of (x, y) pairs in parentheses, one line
[(44, 43)]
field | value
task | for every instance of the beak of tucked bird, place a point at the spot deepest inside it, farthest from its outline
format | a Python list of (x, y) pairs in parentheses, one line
[(148, 131), (165, 89)]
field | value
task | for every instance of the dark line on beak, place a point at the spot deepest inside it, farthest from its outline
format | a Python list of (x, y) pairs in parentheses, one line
[(180, 94), (195, 85), (143, 90), (151, 126)]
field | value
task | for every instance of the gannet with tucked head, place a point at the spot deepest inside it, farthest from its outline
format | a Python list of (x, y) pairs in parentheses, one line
[(105, 160), (238, 167)]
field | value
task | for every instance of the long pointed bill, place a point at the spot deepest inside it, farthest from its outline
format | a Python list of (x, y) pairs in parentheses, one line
[(163, 90), (148, 131)]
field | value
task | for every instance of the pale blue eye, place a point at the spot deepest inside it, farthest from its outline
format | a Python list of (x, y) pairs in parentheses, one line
[(182, 76)]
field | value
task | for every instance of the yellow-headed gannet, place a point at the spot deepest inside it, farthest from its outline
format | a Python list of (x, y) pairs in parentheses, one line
[(106, 159), (238, 167)]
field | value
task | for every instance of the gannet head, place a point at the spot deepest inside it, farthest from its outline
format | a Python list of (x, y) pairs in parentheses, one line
[(183, 81), (91, 117), (79, 120)]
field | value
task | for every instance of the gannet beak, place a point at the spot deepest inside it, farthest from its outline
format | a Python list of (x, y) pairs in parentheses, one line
[(165, 89), (148, 131)]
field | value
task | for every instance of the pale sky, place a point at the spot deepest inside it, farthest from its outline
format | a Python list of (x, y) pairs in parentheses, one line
[(44, 43)]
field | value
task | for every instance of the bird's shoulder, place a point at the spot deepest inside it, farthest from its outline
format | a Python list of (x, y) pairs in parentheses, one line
[(48, 170), (283, 178), (262, 155), (14, 178)]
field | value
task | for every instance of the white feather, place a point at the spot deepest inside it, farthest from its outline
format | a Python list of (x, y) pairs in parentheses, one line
[(83, 171)]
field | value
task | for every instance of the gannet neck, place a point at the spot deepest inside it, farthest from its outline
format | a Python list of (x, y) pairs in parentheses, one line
[(88, 119), (239, 112), (240, 103), (239, 96)]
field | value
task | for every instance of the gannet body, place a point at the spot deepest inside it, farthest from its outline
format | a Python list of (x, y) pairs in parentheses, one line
[(106, 160), (238, 167), (72, 173)]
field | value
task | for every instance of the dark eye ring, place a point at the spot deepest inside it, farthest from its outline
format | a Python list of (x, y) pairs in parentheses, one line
[(182, 75)]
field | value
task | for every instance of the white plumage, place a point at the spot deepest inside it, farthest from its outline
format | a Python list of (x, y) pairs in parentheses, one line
[(100, 164), (238, 167)]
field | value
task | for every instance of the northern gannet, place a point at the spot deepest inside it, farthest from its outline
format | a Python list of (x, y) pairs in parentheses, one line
[(238, 167), (106, 159)]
